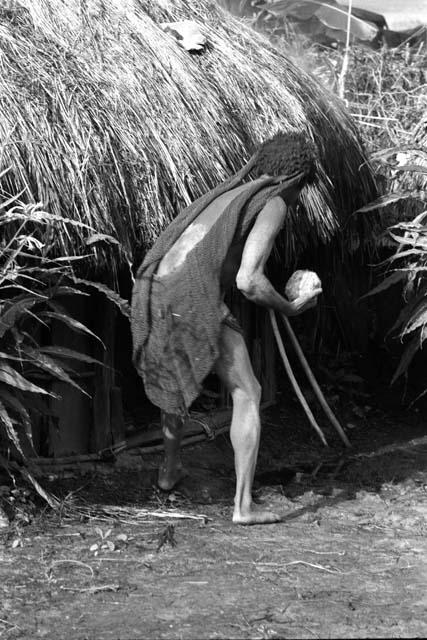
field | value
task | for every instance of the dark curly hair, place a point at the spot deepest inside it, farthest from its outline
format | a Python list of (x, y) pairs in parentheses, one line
[(287, 154)]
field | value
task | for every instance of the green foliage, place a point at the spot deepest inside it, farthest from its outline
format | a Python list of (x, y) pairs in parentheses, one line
[(30, 284), (408, 262)]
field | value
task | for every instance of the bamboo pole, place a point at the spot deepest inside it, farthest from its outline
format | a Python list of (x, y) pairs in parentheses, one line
[(317, 390), (292, 378), (344, 68)]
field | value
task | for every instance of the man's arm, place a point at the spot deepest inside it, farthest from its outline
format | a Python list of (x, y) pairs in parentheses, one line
[(251, 280)]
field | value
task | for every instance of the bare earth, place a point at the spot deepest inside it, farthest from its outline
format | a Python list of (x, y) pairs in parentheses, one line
[(348, 561)]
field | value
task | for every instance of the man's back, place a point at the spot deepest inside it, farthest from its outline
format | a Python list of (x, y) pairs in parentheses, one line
[(196, 231)]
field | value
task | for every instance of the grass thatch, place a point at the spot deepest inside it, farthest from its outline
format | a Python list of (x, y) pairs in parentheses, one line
[(106, 120)]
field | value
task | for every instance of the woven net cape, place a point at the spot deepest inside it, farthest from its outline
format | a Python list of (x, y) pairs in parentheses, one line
[(176, 320)]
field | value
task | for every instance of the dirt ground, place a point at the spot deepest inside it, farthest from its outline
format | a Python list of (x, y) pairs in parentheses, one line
[(349, 559)]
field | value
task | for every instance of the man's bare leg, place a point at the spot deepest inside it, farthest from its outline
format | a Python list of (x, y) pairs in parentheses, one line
[(171, 471), (235, 370)]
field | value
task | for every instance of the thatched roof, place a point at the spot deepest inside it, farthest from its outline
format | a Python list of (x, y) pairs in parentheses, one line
[(106, 119)]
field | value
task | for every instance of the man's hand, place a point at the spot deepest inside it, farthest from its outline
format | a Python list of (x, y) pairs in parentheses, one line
[(305, 302)]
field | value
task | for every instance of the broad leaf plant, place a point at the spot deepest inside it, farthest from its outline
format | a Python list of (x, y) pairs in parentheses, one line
[(31, 286)]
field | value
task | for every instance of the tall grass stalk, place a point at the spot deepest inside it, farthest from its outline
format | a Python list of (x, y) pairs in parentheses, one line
[(345, 59)]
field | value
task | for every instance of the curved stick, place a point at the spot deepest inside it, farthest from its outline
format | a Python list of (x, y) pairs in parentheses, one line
[(317, 390), (292, 378)]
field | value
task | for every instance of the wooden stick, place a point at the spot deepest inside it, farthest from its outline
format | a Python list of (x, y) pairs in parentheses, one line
[(292, 378), (317, 390)]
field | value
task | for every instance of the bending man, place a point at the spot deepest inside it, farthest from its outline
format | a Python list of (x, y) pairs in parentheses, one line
[(181, 327)]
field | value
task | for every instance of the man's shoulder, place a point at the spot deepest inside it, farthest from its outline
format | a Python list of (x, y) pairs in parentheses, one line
[(277, 200), (271, 217), (275, 204)]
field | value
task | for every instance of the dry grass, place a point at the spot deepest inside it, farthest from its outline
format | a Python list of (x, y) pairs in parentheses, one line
[(385, 89), (387, 94), (106, 120)]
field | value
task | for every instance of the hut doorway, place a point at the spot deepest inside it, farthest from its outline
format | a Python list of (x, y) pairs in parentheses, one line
[(114, 408)]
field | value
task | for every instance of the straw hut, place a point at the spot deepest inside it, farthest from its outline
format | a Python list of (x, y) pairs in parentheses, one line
[(108, 120)]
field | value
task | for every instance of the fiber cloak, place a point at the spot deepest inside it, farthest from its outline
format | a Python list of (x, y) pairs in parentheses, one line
[(176, 319)]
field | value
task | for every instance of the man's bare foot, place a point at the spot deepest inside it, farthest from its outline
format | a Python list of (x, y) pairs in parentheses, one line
[(255, 516), (168, 478)]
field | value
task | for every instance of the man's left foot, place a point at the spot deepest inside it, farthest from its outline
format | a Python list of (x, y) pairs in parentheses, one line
[(168, 479), (255, 516)]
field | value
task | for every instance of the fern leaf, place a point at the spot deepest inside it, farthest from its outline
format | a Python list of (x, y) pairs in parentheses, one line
[(10, 399), (102, 237), (8, 423), (11, 377), (71, 322), (14, 310), (414, 345), (417, 320), (64, 352), (111, 295), (390, 198), (48, 364), (394, 278), (408, 310)]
